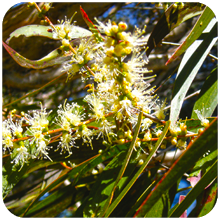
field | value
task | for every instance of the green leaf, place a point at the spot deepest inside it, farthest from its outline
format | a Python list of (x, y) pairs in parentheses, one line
[(205, 162), (194, 34), (149, 186), (108, 153), (194, 125), (206, 179), (11, 174), (189, 66), (209, 199), (144, 165), (56, 208), (45, 31), (160, 208), (208, 97), (188, 158), (103, 186), (80, 169), (52, 198), (125, 163), (55, 57), (55, 183), (172, 17)]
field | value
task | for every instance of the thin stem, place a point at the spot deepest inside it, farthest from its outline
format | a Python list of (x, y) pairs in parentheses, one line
[(34, 92), (214, 57), (87, 67), (45, 17), (60, 129), (124, 165), (72, 49), (170, 43)]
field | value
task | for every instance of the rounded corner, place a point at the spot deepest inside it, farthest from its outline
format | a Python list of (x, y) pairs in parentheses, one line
[(6, 212), (212, 8), (7, 6)]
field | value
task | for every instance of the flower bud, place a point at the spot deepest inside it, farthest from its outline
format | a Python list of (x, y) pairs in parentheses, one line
[(200, 130), (114, 29), (118, 50), (121, 141), (174, 141), (181, 144), (122, 26), (65, 42), (140, 162), (147, 136), (163, 146), (128, 135)]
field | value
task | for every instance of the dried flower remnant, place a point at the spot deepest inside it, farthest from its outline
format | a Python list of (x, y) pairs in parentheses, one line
[(201, 117)]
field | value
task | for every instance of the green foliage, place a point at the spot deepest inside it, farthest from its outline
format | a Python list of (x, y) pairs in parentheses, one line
[(180, 166), (45, 31), (189, 66), (123, 174), (197, 30)]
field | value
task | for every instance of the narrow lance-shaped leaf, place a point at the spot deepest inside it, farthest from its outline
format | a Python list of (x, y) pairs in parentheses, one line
[(53, 58), (104, 184), (209, 201), (91, 26), (188, 158), (47, 31), (189, 66), (125, 163), (144, 165), (11, 176), (194, 34), (76, 171), (206, 179), (208, 97), (54, 197)]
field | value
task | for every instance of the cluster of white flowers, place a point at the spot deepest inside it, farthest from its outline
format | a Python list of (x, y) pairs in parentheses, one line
[(119, 92), (35, 146)]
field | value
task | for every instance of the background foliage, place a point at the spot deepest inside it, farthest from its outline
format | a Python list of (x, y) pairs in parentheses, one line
[(182, 41)]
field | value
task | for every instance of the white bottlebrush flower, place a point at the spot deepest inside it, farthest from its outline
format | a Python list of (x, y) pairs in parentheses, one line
[(146, 123), (10, 130), (41, 149), (71, 68), (86, 135), (16, 127), (71, 113), (63, 31), (136, 67), (66, 143), (39, 119), (105, 129), (63, 123), (126, 107), (160, 111), (141, 94), (6, 136), (41, 143), (96, 106), (22, 156), (106, 28), (85, 52)]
